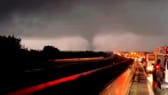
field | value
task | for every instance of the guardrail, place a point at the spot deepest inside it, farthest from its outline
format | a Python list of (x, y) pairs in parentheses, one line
[(76, 59), (83, 75), (121, 85)]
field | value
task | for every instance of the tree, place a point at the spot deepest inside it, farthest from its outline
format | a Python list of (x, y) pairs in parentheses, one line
[(50, 51), (9, 43)]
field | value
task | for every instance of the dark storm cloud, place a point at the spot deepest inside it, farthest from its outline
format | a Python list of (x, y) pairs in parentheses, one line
[(28, 13), (25, 5), (85, 18), (59, 17)]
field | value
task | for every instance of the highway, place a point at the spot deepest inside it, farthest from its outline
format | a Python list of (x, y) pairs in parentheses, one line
[(105, 76), (111, 78), (156, 89), (138, 83), (87, 81)]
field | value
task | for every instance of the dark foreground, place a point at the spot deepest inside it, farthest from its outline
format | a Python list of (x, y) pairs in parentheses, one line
[(90, 83)]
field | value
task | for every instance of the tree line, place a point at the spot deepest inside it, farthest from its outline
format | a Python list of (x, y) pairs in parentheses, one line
[(14, 56)]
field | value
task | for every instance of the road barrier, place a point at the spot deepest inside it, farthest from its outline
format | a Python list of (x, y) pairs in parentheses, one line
[(121, 85), (83, 75)]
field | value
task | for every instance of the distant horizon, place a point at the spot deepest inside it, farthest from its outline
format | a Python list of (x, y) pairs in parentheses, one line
[(38, 45)]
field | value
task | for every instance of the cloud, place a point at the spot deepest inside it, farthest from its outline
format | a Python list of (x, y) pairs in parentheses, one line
[(127, 42), (115, 42), (87, 17), (63, 43), (144, 21)]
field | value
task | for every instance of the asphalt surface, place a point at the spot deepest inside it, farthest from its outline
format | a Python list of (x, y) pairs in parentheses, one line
[(139, 83)]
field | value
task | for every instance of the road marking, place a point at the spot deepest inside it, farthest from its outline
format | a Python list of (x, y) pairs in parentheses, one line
[(150, 89), (135, 90)]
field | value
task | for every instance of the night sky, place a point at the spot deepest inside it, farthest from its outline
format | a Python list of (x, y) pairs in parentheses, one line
[(86, 24)]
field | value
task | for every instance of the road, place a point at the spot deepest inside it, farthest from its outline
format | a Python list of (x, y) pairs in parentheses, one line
[(89, 82), (156, 89)]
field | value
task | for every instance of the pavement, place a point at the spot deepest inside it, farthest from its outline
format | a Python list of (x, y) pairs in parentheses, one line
[(140, 84)]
